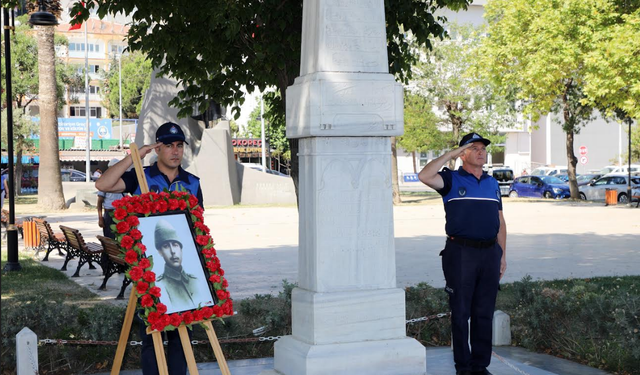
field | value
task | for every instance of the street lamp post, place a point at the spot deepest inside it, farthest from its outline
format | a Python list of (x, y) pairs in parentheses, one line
[(264, 162), (12, 231)]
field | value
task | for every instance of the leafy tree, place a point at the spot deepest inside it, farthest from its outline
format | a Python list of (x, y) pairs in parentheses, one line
[(216, 48), (421, 133), (539, 47), (466, 101), (136, 76), (25, 80)]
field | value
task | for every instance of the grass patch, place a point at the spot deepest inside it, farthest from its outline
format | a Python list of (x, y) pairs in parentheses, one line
[(26, 199), (591, 321)]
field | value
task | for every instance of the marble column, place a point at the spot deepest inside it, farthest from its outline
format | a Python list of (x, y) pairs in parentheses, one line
[(348, 315)]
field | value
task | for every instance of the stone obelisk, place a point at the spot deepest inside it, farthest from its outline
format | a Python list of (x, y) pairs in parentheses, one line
[(348, 315)]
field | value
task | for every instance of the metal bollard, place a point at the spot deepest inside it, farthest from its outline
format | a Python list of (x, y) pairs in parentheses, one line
[(27, 352)]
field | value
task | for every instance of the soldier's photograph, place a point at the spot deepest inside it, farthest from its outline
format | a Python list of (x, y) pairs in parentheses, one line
[(178, 266)]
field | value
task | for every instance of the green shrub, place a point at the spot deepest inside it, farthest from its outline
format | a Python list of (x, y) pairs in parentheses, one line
[(593, 321)]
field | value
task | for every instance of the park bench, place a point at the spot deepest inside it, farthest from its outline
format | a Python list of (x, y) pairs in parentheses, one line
[(4, 219), (49, 239), (112, 263), (77, 247)]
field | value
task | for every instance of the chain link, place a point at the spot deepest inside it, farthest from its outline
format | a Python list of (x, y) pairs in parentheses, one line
[(259, 330), (427, 318)]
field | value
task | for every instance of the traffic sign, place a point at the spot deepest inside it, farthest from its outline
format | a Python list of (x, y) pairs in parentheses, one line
[(583, 160), (583, 151)]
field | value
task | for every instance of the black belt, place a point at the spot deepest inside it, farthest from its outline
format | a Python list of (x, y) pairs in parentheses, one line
[(473, 243)]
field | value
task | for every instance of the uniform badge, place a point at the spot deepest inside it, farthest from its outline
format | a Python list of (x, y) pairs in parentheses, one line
[(173, 130), (462, 192)]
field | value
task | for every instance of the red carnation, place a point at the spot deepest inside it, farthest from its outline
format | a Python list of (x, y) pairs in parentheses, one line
[(217, 310), (155, 291), (221, 294), (225, 283), (214, 278), (228, 307), (120, 214), (162, 206), (133, 221), (153, 317), (142, 248), (126, 241), (193, 201), (135, 234), (142, 287), (131, 257), (198, 315), (144, 263), (135, 273), (123, 227), (187, 317), (182, 204), (220, 271), (207, 312), (161, 307), (146, 301), (202, 240), (173, 204), (176, 319), (149, 276)]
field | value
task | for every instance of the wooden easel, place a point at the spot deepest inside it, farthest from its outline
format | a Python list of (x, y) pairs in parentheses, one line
[(156, 335)]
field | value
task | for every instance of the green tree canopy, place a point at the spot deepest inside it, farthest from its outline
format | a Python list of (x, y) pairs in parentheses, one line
[(540, 48), (136, 76)]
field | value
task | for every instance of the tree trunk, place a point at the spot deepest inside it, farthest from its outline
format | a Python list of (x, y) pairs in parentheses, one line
[(413, 158), (571, 158), (50, 194), (394, 172)]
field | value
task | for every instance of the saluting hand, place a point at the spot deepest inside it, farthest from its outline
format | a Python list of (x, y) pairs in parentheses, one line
[(455, 153), (146, 149)]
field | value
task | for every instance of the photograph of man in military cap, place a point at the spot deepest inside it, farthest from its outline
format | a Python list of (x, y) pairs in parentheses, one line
[(180, 275)]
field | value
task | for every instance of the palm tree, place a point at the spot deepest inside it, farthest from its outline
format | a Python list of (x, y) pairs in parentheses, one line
[(50, 193)]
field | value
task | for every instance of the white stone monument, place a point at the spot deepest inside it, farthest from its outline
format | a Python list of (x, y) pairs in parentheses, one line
[(348, 315)]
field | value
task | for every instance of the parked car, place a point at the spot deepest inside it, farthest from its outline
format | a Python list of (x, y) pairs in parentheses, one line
[(585, 179), (549, 171), (504, 177), (539, 186), (72, 175), (596, 191), (619, 169), (563, 177)]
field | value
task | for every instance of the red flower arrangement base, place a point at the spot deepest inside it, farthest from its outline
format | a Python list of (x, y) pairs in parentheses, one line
[(126, 213)]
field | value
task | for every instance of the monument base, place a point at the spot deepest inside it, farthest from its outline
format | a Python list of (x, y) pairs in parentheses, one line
[(404, 356)]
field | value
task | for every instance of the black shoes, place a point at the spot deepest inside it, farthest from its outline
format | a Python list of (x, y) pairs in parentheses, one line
[(464, 373)]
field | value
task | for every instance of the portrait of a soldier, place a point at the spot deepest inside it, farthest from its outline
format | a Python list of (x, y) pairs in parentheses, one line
[(180, 290)]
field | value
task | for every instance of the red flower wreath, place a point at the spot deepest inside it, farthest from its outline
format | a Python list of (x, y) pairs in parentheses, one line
[(126, 222)]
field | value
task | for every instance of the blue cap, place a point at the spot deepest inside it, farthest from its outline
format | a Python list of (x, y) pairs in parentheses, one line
[(169, 133), (473, 137)]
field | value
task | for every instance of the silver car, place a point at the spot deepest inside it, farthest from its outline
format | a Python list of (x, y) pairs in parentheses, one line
[(596, 190)]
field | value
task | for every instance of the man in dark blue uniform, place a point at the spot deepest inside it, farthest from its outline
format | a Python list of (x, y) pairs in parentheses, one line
[(166, 173), (474, 257)]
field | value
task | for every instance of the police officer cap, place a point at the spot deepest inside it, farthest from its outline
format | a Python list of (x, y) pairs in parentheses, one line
[(473, 137), (164, 232), (170, 132)]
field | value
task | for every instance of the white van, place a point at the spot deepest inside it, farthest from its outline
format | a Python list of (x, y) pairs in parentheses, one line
[(619, 169), (550, 171)]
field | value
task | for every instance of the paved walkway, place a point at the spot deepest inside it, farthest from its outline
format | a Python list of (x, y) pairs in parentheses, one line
[(546, 239)]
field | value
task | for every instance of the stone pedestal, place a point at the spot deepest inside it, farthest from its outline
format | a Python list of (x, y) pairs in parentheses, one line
[(348, 316)]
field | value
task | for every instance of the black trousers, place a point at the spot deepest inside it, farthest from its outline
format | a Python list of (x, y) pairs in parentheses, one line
[(176, 361), (472, 276)]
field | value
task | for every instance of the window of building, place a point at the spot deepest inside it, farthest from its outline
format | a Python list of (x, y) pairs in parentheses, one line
[(79, 111)]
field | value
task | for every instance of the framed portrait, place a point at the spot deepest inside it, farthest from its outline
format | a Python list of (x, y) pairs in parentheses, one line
[(177, 262)]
